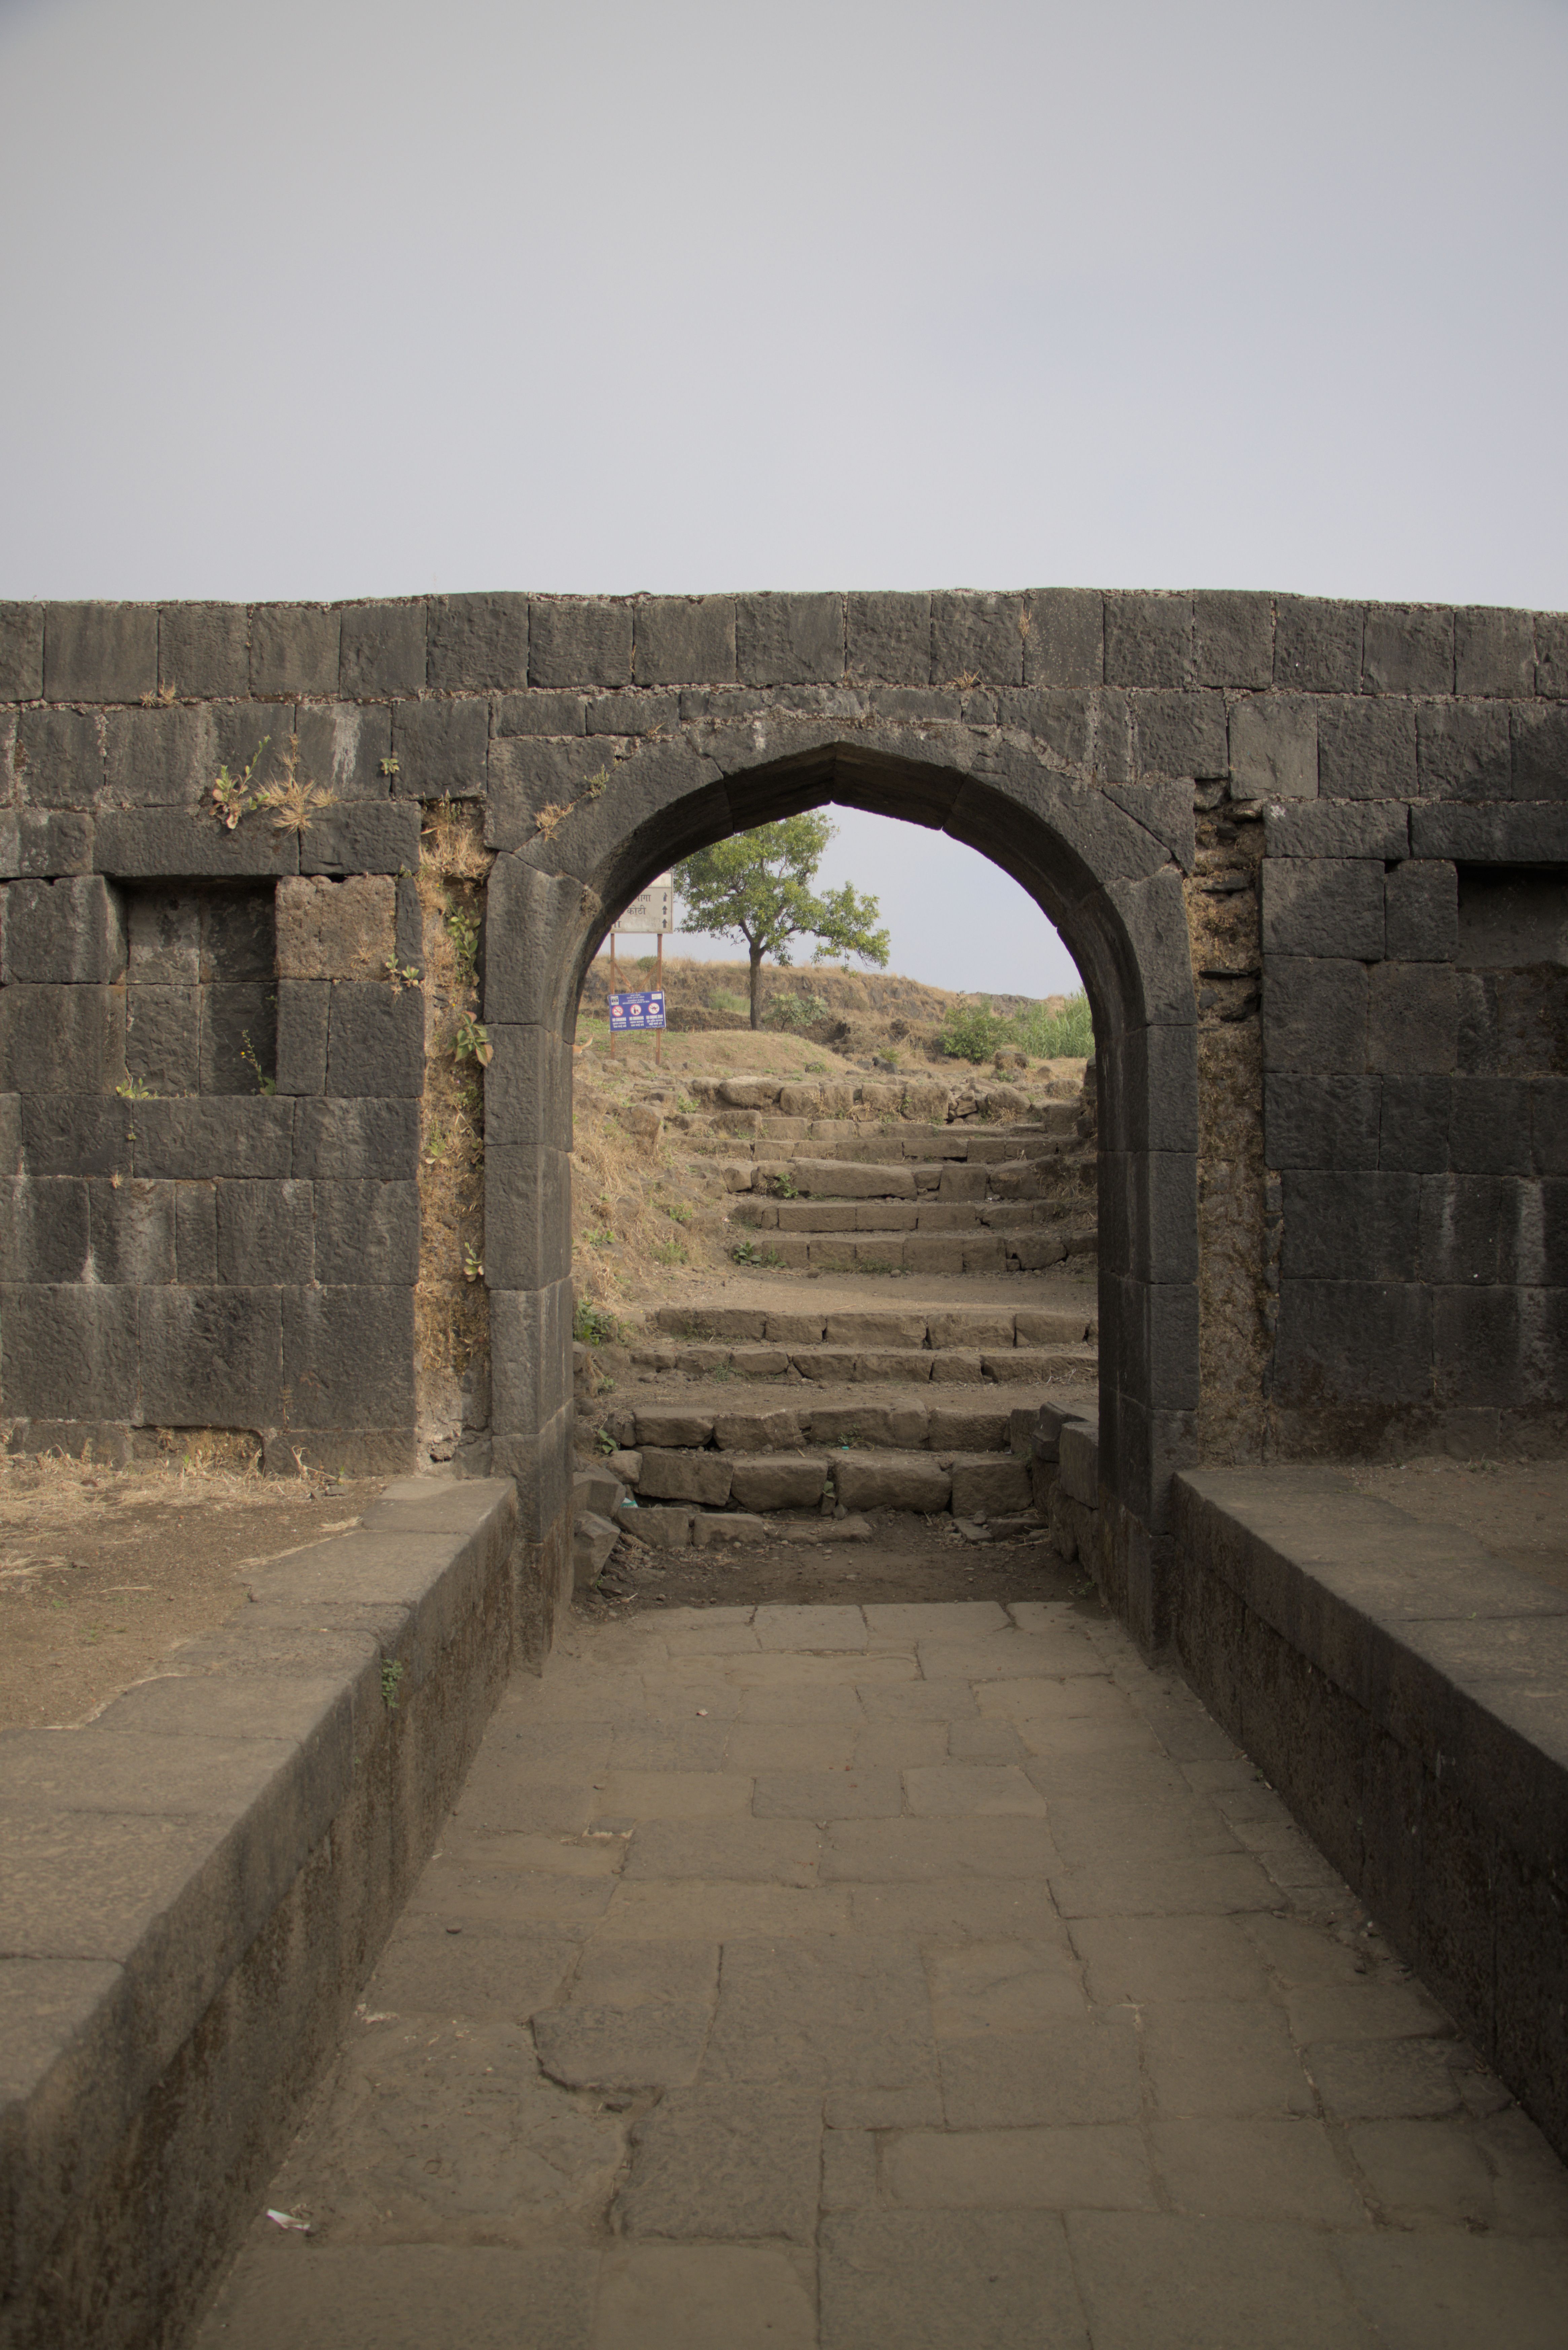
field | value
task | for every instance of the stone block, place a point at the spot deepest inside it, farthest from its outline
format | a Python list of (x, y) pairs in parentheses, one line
[(1180, 733), (10, 1134), (528, 774), (204, 650), (529, 1215), (1413, 1125), (362, 837), (65, 932), (368, 1232), (888, 638), (1148, 640), (729, 1526), (477, 643), (527, 1087), (51, 841), (237, 1048), (69, 1352), (579, 640), (1494, 651), (408, 924), (302, 1009), (442, 748), (1422, 910), (354, 1140), (163, 1039), (1322, 907), (1490, 836), (1343, 1225), (1338, 829), (1413, 1027), (1549, 1126), (1273, 748), (1233, 638), (530, 1356), (541, 712), (57, 1040), (375, 1040), (684, 640), (1351, 1343), (21, 653), (1463, 750), (210, 1358), (1315, 1015), (236, 938), (382, 649), (266, 1233), (670, 1475), (883, 1481), (1540, 753), (1320, 1122), (1551, 654), (992, 1488), (637, 712), (1064, 642), (335, 930), (1407, 648), (977, 637), (1366, 750), (99, 652), (67, 1134), (661, 1529), (195, 1142), (293, 649), (786, 1480), (343, 749), (349, 1357), (1317, 645), (133, 1233), (59, 757), (145, 844), (789, 639), (161, 758), (1488, 1126), (196, 1232), (44, 1233)]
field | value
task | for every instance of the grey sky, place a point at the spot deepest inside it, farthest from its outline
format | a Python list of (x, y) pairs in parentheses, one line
[(336, 298)]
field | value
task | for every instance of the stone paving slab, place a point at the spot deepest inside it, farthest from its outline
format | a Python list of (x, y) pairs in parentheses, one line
[(893, 1979)]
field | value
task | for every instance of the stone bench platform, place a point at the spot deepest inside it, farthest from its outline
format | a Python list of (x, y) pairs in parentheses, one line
[(194, 1886), (1408, 1697)]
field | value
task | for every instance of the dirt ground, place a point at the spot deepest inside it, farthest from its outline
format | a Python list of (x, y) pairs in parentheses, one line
[(906, 1558), (1517, 1510), (104, 1571)]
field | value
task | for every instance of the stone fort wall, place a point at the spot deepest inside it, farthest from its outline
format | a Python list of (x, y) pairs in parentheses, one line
[(1309, 857)]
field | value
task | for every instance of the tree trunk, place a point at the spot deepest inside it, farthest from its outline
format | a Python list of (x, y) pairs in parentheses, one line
[(756, 987)]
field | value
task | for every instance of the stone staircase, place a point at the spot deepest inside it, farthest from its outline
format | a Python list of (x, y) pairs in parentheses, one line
[(794, 1403)]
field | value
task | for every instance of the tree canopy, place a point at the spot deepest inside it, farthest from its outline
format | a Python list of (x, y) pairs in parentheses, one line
[(756, 886)]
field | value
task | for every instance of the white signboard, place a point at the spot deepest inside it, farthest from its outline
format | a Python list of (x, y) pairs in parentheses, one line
[(654, 911)]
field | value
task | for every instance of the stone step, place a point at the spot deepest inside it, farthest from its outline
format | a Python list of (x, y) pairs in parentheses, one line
[(952, 1180), (893, 1215), (970, 1484), (1031, 1250), (798, 1325), (786, 1139), (827, 1420), (862, 1366)]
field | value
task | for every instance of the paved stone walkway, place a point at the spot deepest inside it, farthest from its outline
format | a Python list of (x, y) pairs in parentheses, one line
[(892, 1979)]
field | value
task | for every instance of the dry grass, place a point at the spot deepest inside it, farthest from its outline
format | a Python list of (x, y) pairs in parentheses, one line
[(449, 1301)]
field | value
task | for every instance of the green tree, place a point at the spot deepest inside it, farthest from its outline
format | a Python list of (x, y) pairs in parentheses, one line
[(757, 886)]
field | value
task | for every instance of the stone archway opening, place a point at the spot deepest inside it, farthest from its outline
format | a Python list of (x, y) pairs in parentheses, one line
[(1112, 890)]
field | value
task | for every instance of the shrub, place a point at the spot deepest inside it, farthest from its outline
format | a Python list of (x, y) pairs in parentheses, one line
[(1055, 1036), (796, 1010), (592, 1326), (972, 1032)]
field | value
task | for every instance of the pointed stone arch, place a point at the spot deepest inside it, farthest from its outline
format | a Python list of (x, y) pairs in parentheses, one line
[(1105, 863)]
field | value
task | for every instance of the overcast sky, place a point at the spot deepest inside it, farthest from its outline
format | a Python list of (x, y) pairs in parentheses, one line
[(329, 298)]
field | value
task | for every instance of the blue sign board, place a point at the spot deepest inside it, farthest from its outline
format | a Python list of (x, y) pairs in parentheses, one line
[(637, 1012)]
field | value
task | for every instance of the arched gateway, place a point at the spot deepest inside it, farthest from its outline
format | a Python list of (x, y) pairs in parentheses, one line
[(1309, 857), (1097, 867)]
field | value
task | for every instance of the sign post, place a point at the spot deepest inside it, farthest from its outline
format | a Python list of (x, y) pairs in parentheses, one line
[(653, 909)]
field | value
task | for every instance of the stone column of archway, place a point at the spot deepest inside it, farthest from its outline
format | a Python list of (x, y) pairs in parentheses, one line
[(1104, 863)]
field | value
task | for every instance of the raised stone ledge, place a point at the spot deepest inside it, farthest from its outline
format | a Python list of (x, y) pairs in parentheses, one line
[(196, 1883), (1405, 1694)]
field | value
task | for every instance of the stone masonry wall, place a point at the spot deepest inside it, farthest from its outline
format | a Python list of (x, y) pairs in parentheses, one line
[(1309, 856)]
